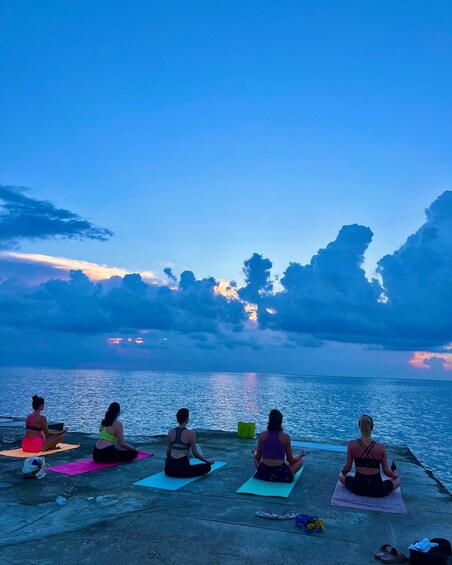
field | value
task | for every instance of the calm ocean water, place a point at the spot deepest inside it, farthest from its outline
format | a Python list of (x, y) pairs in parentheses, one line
[(416, 413)]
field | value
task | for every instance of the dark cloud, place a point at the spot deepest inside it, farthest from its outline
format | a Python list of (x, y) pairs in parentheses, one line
[(417, 280), (329, 299), (81, 306), (169, 273), (22, 217), (257, 278)]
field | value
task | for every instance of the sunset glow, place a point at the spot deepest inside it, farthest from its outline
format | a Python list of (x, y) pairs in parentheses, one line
[(94, 271), (420, 360)]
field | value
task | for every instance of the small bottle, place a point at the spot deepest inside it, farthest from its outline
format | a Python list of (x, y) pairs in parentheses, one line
[(393, 467)]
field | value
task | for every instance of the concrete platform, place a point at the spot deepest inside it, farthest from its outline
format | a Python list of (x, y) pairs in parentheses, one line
[(107, 519)]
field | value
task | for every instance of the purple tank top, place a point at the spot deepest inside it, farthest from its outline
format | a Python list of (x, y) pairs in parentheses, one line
[(273, 448)]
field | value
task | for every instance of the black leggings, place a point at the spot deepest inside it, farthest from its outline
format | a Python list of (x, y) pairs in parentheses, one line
[(182, 469), (112, 455), (369, 485)]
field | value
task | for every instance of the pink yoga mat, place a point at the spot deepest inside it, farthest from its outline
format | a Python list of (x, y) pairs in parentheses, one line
[(88, 465)]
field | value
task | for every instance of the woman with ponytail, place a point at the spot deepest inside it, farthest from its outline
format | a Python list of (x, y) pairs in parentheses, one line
[(37, 436), (110, 432), (273, 458), (368, 455)]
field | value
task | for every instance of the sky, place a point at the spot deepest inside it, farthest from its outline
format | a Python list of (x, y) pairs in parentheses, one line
[(234, 186)]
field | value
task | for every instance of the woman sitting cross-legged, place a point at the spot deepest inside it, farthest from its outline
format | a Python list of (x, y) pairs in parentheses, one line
[(180, 441), (273, 458), (368, 455), (37, 436), (110, 432)]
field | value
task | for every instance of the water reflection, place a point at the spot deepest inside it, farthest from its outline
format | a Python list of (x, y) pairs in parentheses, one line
[(415, 413)]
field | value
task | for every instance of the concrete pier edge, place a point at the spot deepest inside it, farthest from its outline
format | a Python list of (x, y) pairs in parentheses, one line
[(103, 516)]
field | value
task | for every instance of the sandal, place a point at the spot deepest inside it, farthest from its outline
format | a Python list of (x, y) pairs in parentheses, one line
[(394, 556), (265, 513), (384, 550)]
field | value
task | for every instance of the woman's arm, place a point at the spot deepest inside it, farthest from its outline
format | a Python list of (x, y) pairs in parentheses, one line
[(120, 436), (349, 462), (258, 454), (384, 465), (195, 451), (168, 446), (290, 458)]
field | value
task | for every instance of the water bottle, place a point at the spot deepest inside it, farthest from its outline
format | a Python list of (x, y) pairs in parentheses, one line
[(393, 467)]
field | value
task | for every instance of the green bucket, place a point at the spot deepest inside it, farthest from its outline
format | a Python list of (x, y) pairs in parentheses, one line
[(246, 430)]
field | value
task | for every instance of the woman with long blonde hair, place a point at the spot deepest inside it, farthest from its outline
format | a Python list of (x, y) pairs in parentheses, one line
[(368, 455)]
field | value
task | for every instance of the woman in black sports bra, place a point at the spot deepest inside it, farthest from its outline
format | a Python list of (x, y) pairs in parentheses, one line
[(368, 455), (180, 441)]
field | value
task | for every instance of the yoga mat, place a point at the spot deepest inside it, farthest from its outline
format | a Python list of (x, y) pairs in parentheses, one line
[(88, 465), (393, 503), (161, 481), (267, 488), (322, 446), (25, 454)]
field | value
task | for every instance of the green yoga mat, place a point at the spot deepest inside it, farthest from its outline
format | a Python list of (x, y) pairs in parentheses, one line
[(161, 481), (266, 488)]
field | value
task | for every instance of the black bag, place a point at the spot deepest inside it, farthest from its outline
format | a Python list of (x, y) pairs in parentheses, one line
[(435, 556)]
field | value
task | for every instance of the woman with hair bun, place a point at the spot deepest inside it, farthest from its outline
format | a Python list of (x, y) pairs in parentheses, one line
[(37, 436), (110, 432), (368, 455), (180, 441), (273, 457)]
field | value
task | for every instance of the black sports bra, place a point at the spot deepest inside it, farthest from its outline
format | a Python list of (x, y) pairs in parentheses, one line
[(178, 443), (367, 459)]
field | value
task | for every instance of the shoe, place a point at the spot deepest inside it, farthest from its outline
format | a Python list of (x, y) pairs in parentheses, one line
[(288, 515), (394, 556), (384, 550)]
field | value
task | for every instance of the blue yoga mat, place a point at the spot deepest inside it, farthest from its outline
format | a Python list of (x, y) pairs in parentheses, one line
[(161, 481), (267, 488), (323, 446)]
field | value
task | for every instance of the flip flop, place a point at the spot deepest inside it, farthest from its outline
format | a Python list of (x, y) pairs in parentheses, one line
[(265, 513), (394, 556), (384, 550)]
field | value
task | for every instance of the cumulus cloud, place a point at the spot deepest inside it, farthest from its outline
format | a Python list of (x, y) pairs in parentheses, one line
[(83, 306), (417, 280), (330, 299), (257, 278), (23, 217)]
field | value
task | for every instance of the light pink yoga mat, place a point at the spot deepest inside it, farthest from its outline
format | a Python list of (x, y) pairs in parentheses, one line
[(88, 465), (393, 503)]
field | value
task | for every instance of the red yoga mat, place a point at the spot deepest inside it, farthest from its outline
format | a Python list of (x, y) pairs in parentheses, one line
[(88, 465)]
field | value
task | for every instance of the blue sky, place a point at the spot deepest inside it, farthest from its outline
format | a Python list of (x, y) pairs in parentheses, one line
[(201, 133)]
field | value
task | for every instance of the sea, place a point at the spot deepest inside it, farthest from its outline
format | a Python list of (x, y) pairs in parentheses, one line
[(416, 413)]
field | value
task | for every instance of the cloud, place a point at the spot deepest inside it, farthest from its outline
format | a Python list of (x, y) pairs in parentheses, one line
[(80, 305), (257, 278), (22, 217), (169, 273), (94, 271), (417, 281), (329, 300)]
